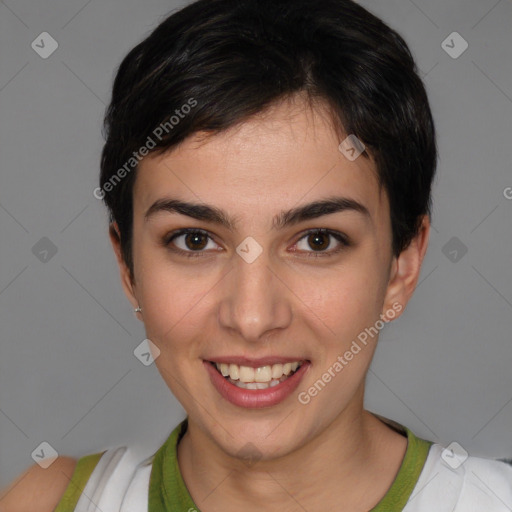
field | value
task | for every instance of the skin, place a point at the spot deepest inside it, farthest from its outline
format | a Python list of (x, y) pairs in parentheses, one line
[(38, 489), (284, 303)]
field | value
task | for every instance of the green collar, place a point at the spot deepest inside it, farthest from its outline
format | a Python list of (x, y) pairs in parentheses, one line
[(168, 492), (401, 489)]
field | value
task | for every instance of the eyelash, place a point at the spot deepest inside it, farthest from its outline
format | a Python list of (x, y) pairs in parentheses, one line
[(342, 239)]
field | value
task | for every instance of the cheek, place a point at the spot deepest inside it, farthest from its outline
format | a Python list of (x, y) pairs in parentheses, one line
[(175, 317), (173, 304), (177, 301), (346, 300)]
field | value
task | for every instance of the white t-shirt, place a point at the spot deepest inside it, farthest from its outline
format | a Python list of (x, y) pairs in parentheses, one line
[(449, 481), (476, 485)]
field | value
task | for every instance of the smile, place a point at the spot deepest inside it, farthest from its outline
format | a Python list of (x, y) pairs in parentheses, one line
[(262, 377), (265, 383)]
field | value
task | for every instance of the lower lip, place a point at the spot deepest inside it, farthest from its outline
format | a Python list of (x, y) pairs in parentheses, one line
[(255, 398)]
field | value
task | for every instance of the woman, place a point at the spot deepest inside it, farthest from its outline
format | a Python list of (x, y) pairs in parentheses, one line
[(268, 170)]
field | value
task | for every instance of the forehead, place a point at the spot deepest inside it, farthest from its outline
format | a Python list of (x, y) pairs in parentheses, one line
[(276, 160)]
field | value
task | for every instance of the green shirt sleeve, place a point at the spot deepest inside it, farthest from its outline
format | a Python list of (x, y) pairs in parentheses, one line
[(83, 469)]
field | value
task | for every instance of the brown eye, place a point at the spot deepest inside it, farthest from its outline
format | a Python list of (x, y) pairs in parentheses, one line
[(190, 242), (195, 241), (320, 240)]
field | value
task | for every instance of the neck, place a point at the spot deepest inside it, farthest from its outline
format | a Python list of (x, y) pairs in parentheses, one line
[(355, 458)]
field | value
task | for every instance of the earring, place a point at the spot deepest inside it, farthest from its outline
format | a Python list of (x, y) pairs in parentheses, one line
[(138, 310)]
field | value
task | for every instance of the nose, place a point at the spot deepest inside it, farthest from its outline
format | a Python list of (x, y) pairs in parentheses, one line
[(255, 299)]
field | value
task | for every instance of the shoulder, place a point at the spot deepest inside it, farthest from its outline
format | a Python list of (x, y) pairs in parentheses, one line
[(38, 489), (111, 476), (487, 484), (465, 483)]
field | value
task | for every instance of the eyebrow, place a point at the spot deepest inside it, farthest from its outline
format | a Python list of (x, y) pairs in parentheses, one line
[(212, 214)]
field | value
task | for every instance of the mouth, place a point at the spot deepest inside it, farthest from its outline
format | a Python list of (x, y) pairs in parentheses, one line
[(254, 384), (261, 377)]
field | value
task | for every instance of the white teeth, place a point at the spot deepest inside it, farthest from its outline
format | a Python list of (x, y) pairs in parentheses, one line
[(233, 371), (263, 375), (246, 374), (256, 385), (277, 371)]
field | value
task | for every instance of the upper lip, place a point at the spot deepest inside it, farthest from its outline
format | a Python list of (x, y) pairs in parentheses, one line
[(254, 362)]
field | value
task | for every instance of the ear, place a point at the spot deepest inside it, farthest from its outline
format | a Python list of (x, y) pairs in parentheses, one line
[(126, 277), (405, 270)]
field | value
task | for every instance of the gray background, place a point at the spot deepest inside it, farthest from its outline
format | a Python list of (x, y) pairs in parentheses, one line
[(68, 375)]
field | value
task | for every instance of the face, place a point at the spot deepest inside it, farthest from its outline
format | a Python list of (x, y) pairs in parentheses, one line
[(264, 277)]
